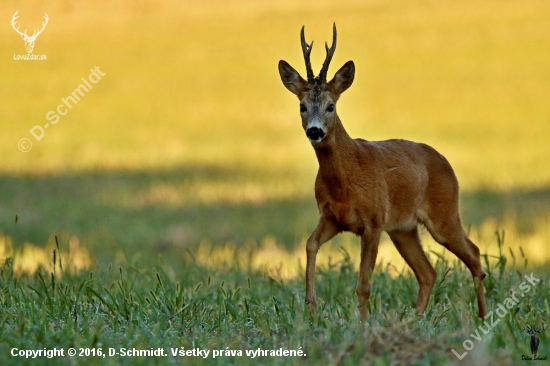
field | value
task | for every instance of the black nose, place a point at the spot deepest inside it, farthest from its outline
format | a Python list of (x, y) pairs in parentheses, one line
[(315, 133)]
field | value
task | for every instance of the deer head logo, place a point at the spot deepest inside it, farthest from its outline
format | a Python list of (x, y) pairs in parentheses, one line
[(534, 339), (29, 40)]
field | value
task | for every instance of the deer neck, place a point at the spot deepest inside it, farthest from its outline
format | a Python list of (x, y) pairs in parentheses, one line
[(335, 156)]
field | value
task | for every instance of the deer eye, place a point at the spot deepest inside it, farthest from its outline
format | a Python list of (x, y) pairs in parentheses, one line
[(330, 108), (303, 108)]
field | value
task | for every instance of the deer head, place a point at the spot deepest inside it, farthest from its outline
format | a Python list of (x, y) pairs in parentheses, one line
[(29, 40), (317, 96)]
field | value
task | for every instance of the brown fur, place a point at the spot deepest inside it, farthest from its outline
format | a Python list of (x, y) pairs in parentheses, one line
[(367, 187)]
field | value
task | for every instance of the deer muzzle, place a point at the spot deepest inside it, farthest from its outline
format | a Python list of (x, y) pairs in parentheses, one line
[(315, 134)]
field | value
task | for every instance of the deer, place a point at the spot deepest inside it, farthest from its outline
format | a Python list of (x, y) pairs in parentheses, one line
[(29, 40), (534, 339), (367, 187)]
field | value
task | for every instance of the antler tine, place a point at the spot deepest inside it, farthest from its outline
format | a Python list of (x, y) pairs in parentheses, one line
[(540, 329), (306, 49), (330, 53), (46, 18), (37, 32), (13, 19)]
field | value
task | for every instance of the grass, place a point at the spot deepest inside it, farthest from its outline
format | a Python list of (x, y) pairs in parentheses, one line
[(145, 304), (153, 151), (190, 144)]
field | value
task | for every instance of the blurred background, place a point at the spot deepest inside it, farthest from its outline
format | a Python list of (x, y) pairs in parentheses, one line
[(190, 141)]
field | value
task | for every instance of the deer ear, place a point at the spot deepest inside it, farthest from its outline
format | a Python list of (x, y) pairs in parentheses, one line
[(290, 77), (343, 78)]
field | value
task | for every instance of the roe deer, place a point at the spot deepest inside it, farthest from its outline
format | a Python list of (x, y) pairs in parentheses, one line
[(367, 187)]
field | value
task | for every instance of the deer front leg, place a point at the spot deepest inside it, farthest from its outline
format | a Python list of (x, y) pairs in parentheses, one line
[(369, 251), (326, 229)]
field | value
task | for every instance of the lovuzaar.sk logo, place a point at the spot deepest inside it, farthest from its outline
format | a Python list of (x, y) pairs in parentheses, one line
[(29, 40), (501, 310)]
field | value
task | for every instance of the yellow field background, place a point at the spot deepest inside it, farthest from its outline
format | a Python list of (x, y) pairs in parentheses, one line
[(191, 115)]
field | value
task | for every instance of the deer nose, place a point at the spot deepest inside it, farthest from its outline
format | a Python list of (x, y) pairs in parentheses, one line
[(315, 133)]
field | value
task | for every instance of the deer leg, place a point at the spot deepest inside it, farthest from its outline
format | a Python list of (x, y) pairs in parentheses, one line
[(326, 229), (452, 236), (408, 245), (369, 251), (474, 264)]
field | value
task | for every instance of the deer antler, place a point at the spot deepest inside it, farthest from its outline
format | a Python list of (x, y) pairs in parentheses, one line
[(540, 329), (330, 53), (527, 328), (13, 19), (306, 49), (36, 33)]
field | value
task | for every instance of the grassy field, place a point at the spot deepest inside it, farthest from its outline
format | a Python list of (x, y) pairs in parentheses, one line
[(142, 305), (187, 159)]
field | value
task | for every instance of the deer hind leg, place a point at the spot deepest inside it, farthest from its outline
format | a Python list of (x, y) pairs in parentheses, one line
[(451, 235), (369, 251), (326, 229), (408, 245)]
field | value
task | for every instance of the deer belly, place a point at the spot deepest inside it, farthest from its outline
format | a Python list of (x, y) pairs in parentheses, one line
[(349, 219)]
